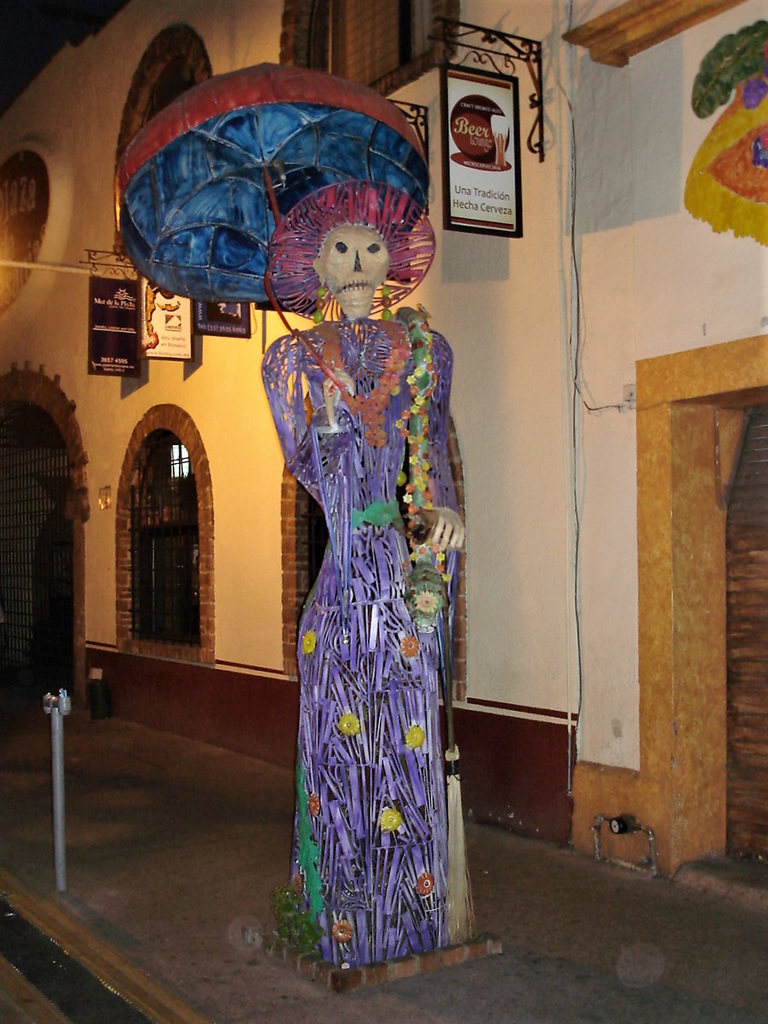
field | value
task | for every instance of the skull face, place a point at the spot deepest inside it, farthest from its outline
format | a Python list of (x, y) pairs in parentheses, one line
[(353, 262)]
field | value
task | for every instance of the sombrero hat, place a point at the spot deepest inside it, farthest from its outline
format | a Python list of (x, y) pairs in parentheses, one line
[(399, 220)]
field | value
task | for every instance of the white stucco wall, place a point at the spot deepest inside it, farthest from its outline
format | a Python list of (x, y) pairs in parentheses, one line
[(654, 281)]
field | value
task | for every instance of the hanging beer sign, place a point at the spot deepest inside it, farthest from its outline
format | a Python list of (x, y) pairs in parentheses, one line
[(481, 153), (24, 201)]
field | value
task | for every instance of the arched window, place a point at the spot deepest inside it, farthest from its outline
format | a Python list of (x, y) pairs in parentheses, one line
[(384, 45), (174, 61), (164, 541), (165, 544), (364, 42)]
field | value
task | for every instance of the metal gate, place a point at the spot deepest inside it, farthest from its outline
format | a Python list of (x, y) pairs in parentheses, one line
[(36, 541)]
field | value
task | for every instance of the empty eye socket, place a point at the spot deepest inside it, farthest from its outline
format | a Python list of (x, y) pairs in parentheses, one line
[(374, 247), (341, 247)]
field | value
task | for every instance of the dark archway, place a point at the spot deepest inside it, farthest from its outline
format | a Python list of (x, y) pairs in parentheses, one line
[(44, 634)]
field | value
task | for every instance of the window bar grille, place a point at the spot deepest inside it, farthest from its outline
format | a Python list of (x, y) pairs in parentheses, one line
[(165, 544)]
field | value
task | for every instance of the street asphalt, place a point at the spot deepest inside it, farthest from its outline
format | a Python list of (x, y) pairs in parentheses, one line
[(173, 848)]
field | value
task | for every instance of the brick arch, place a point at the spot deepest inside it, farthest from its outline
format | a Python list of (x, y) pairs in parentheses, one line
[(295, 39), (174, 41), (294, 515), (35, 388), (294, 520), (166, 417)]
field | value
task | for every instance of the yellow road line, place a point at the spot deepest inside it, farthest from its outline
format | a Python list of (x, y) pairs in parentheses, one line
[(109, 966)]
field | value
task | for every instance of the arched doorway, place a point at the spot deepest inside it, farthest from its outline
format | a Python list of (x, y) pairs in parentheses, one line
[(36, 553), (43, 509)]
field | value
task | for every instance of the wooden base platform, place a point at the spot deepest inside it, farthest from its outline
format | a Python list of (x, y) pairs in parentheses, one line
[(340, 979)]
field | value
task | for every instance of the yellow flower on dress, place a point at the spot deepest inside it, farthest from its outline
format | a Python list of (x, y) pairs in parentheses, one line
[(414, 737), (349, 725), (308, 642), (390, 820)]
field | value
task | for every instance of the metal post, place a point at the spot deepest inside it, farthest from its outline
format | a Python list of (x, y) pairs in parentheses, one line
[(57, 707)]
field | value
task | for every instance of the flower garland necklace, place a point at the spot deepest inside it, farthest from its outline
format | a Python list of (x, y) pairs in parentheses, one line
[(416, 431), (426, 591)]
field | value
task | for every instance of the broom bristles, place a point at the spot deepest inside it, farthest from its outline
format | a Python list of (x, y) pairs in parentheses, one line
[(459, 908)]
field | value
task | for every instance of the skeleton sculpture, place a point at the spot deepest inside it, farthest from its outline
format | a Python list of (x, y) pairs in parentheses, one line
[(294, 183), (370, 846)]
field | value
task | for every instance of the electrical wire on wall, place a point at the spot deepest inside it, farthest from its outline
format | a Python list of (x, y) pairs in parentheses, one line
[(572, 402), (577, 400), (574, 351)]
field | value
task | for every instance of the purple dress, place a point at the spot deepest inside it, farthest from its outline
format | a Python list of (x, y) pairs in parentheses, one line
[(370, 842)]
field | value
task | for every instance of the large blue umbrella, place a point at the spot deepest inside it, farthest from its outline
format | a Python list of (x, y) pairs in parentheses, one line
[(196, 213)]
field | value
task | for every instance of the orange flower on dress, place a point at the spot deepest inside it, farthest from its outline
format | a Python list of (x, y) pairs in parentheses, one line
[(313, 803), (342, 931), (409, 645), (425, 883)]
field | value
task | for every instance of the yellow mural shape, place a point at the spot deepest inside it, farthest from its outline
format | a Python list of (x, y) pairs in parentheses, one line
[(725, 188)]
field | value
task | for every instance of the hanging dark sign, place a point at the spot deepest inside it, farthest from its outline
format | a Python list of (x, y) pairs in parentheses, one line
[(481, 153), (227, 319), (114, 328), (24, 199)]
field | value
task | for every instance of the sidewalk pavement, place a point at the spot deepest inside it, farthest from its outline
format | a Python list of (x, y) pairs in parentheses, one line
[(173, 848)]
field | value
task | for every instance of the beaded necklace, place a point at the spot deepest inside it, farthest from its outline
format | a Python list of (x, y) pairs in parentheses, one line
[(422, 384)]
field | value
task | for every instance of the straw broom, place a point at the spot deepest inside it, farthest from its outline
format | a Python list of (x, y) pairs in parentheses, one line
[(459, 910), (460, 916)]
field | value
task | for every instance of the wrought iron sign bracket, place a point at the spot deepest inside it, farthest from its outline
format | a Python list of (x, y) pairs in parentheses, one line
[(466, 45), (417, 116), (105, 263)]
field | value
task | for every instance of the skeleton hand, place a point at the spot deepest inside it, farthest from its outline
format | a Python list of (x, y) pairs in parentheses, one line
[(445, 526), (331, 395)]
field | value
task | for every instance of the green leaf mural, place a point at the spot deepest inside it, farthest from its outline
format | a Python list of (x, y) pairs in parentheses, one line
[(734, 59)]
